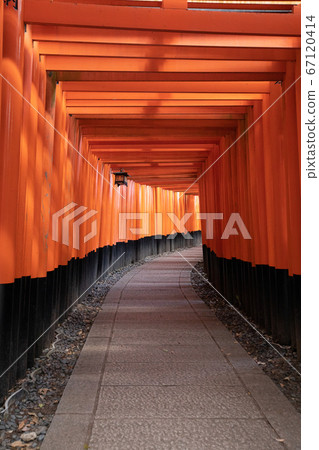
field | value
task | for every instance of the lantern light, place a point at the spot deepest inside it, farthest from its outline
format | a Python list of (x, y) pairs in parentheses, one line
[(120, 178)]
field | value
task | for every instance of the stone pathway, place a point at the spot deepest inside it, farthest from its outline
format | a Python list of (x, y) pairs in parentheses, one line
[(159, 371)]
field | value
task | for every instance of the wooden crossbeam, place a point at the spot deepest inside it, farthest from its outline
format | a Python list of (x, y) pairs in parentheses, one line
[(156, 38), (164, 51), (94, 15), (168, 86)]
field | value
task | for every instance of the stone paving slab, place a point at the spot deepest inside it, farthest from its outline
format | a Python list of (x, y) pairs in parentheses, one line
[(79, 394), (159, 296), (164, 353), (160, 337), (92, 356), (176, 402), (183, 326), (170, 374), (181, 434), (160, 371), (150, 316), (155, 307), (68, 431)]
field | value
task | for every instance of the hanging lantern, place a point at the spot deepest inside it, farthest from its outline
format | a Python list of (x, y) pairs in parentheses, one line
[(120, 178)]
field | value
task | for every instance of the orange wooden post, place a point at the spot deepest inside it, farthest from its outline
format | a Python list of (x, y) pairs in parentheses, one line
[(57, 200), (23, 268), (46, 191), (292, 159), (241, 158), (11, 116), (36, 167), (258, 171)]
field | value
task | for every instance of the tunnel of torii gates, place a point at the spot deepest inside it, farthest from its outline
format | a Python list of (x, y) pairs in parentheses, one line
[(160, 89)]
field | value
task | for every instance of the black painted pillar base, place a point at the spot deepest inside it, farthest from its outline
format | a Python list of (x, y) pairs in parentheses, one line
[(269, 296)]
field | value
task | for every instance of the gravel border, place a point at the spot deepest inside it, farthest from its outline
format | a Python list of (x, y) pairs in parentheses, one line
[(33, 408), (287, 380)]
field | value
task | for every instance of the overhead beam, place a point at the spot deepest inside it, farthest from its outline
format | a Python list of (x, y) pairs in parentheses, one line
[(217, 112), (168, 86), (167, 173), (116, 157), (111, 64), (73, 96), (150, 149), (169, 166), (140, 3), (92, 15), (192, 191), (282, 5), (168, 180), (155, 124), (144, 76), (137, 142), (149, 116), (160, 38), (143, 131), (154, 103), (164, 51), (163, 171)]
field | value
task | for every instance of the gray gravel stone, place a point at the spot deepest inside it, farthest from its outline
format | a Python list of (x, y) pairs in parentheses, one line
[(27, 437)]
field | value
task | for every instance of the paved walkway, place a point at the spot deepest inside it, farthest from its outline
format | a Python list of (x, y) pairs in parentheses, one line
[(159, 371)]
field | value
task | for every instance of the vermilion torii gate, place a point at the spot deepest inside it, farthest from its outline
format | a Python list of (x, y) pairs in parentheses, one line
[(198, 102)]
